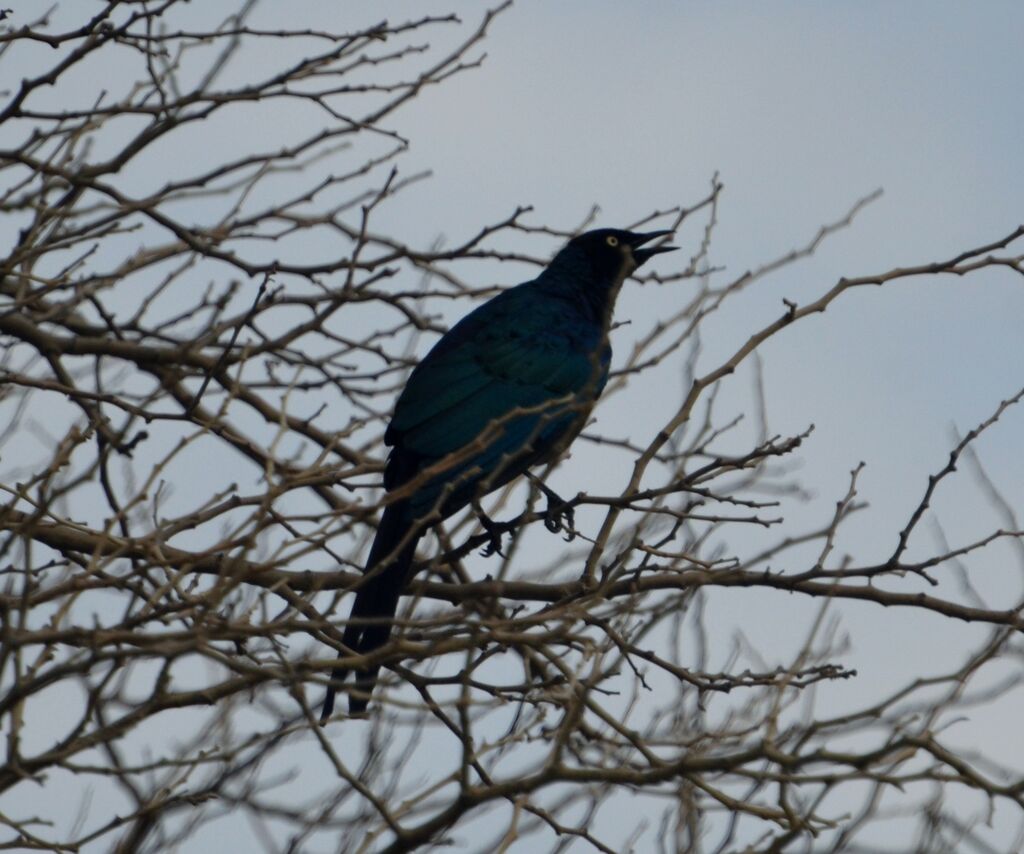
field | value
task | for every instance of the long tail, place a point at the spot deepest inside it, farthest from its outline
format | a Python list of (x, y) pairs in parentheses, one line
[(370, 625)]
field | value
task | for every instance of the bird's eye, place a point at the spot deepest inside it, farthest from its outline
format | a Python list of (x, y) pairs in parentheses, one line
[(612, 240)]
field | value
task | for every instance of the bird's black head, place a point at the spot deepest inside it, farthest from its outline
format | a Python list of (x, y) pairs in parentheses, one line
[(609, 255)]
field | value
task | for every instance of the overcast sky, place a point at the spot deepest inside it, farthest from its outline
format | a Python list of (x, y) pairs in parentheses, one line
[(801, 108)]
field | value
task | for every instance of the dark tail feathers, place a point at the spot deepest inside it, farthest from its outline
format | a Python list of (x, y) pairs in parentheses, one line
[(376, 600)]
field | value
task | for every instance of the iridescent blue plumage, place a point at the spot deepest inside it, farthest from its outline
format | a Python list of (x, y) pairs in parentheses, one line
[(508, 387)]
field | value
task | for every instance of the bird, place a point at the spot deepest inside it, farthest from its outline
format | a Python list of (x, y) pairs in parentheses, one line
[(507, 388)]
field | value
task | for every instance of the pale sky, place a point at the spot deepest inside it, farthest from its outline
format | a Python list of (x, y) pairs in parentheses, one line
[(802, 108)]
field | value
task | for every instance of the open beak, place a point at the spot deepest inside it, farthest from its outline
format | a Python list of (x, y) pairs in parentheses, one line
[(642, 255)]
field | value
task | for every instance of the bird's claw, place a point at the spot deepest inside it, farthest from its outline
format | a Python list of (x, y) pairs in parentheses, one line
[(559, 516), (557, 510), (494, 534), (493, 546)]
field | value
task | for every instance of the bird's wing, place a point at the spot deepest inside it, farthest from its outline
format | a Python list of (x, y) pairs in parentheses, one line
[(521, 350)]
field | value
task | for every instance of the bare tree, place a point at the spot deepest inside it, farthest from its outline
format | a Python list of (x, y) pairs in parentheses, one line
[(203, 332)]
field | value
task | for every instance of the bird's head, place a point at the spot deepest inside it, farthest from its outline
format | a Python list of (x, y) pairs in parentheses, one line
[(609, 255)]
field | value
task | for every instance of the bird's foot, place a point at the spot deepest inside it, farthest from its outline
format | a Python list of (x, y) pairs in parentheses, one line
[(493, 530), (559, 515)]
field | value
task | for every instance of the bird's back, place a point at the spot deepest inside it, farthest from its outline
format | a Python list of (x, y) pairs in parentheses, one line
[(507, 387)]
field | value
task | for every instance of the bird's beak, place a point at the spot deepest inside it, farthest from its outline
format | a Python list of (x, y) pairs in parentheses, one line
[(642, 255)]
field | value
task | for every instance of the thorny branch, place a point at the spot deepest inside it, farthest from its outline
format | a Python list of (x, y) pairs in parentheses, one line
[(196, 364)]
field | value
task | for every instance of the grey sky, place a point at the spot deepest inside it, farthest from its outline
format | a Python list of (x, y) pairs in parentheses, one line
[(802, 108)]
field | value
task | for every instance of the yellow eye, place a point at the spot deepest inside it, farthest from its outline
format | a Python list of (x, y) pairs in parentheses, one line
[(612, 240)]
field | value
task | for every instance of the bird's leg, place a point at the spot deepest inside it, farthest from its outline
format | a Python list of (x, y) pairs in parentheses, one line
[(559, 515), (491, 528)]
